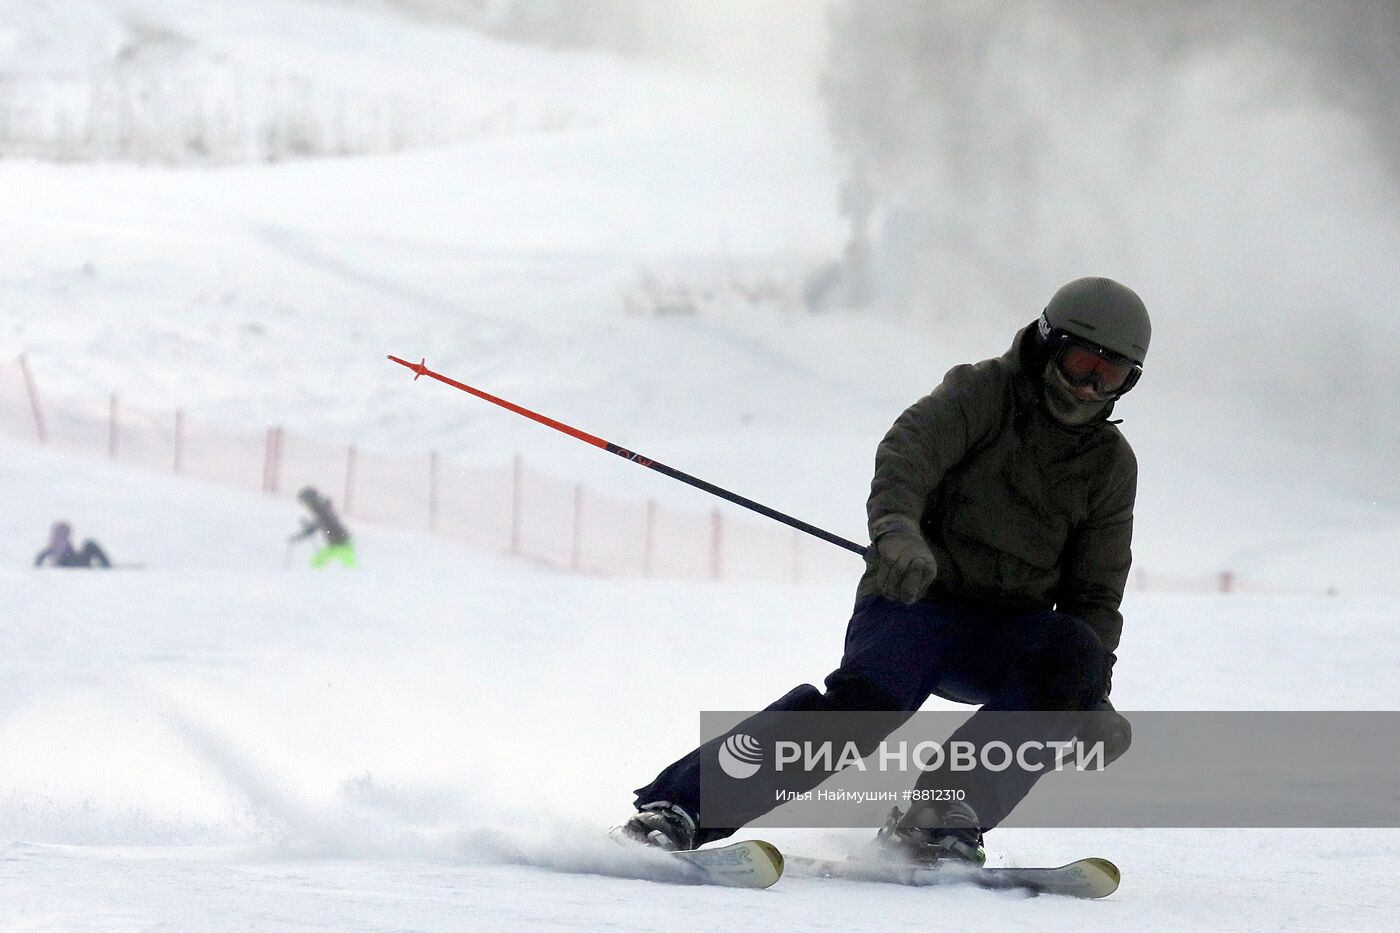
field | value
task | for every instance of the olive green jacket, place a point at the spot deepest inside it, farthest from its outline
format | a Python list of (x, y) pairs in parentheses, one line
[(1020, 511)]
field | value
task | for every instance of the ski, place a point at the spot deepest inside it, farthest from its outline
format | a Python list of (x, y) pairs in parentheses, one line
[(1085, 878), (749, 864)]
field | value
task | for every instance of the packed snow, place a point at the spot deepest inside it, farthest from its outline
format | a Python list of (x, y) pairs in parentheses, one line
[(222, 738), (439, 738)]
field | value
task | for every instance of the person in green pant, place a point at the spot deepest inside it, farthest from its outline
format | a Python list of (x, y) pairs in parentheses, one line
[(323, 520)]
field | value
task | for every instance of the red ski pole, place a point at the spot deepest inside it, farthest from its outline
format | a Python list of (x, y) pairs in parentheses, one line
[(421, 369)]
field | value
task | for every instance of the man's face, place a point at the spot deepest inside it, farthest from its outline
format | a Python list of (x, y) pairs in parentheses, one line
[(1069, 404)]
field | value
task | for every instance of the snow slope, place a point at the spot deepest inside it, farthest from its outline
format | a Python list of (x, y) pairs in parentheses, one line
[(435, 740), (217, 742)]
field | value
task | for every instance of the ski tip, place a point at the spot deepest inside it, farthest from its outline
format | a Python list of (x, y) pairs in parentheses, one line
[(1107, 871), (774, 854), (1107, 867), (752, 863)]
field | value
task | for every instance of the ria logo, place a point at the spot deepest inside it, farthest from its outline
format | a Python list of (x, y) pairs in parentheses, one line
[(740, 756)]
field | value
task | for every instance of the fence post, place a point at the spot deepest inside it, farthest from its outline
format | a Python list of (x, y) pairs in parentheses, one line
[(349, 500), (716, 545), (267, 461), (112, 427), (576, 556), (516, 500), (278, 440), (34, 400), (272, 460), (179, 438), (649, 546), (432, 492)]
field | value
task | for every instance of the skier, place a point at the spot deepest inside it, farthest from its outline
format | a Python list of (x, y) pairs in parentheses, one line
[(338, 545), (60, 551), (1001, 515)]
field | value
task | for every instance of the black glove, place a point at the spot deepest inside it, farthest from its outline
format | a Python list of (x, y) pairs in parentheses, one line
[(905, 566), (1107, 725)]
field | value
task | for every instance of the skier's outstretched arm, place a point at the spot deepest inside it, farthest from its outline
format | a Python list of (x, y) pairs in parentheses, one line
[(307, 530), (930, 438)]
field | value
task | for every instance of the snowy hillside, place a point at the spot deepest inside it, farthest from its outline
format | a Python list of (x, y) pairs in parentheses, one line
[(216, 742), (221, 741), (255, 294)]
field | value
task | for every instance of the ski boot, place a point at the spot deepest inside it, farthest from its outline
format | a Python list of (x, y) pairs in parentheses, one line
[(927, 836), (661, 824)]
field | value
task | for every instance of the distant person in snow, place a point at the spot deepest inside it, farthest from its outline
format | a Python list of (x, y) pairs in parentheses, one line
[(323, 521), (1001, 519), (61, 553)]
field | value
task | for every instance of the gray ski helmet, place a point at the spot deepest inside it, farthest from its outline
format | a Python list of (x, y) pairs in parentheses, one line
[(1102, 312)]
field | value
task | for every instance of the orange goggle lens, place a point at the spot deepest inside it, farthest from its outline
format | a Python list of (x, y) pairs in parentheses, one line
[(1085, 366)]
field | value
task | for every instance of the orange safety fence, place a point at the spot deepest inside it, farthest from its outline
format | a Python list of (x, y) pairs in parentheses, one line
[(512, 509)]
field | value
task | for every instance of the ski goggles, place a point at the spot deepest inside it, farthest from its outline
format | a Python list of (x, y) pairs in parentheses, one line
[(1084, 365)]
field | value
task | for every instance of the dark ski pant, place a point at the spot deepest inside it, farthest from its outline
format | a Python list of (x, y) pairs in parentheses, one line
[(896, 656), (91, 555)]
